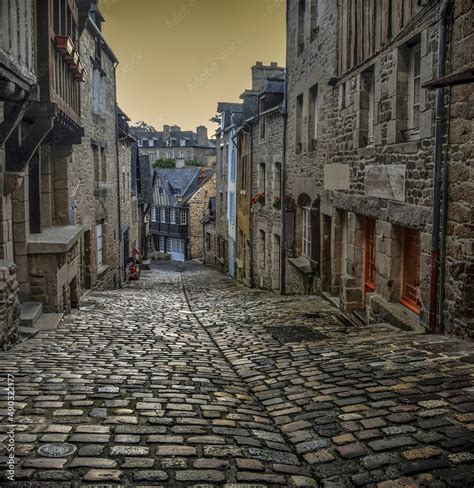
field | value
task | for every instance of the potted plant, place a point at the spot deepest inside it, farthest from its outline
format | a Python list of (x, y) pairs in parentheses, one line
[(259, 198)]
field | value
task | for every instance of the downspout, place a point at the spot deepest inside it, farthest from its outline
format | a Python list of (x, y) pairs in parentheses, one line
[(439, 132), (283, 176), (117, 137), (252, 284)]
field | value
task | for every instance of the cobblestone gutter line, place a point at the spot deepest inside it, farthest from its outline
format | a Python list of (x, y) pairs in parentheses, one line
[(363, 405), (257, 452)]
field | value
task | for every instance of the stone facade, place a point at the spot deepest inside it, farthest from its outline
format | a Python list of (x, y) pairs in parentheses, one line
[(360, 157), (94, 188), (9, 305), (198, 205), (266, 217)]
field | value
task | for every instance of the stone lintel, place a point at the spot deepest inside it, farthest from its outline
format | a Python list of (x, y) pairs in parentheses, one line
[(54, 240), (398, 213)]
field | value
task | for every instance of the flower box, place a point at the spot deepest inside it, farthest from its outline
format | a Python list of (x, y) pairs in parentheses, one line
[(65, 45)]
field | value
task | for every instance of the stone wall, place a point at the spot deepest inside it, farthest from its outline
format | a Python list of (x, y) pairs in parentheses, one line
[(95, 204), (459, 282), (9, 305), (266, 218), (197, 209), (308, 152)]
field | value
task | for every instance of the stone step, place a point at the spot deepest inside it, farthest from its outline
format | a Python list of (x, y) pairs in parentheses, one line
[(47, 321), (30, 312)]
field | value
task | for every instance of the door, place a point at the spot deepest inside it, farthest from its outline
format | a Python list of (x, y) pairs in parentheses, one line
[(370, 250), (178, 250), (411, 270), (126, 247)]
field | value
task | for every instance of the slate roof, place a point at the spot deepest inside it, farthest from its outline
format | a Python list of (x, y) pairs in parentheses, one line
[(186, 180), (230, 108)]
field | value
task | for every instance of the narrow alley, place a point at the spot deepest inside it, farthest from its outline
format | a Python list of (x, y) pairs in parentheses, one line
[(187, 379)]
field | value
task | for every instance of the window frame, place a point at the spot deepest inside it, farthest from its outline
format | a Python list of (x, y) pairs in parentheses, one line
[(173, 216), (162, 215), (99, 240), (183, 217), (306, 241), (413, 78)]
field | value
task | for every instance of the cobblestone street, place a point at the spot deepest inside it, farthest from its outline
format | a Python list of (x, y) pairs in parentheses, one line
[(186, 379)]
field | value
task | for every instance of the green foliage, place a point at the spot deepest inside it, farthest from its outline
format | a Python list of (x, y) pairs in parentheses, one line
[(194, 163), (164, 163), (144, 126)]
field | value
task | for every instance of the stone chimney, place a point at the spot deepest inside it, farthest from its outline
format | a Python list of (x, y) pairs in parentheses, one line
[(166, 132), (201, 136), (261, 73), (175, 128), (201, 176)]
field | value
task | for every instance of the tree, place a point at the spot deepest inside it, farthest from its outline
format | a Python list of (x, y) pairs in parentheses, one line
[(164, 163), (193, 162), (141, 125)]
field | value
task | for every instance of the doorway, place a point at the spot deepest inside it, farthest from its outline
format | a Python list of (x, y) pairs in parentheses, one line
[(370, 252), (276, 262), (86, 261)]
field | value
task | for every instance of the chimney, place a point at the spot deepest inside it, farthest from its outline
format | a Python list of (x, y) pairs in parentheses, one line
[(201, 176), (201, 136), (261, 73), (175, 128), (166, 132)]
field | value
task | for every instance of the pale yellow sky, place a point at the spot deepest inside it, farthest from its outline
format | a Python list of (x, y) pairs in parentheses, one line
[(178, 58)]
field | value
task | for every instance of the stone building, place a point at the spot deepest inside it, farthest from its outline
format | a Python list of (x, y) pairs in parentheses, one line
[(180, 197), (185, 147), (267, 152), (360, 158), (129, 210), (210, 234), (94, 185), (39, 124)]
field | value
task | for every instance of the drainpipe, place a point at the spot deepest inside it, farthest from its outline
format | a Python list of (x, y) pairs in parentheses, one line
[(117, 137), (439, 132), (252, 284), (283, 177)]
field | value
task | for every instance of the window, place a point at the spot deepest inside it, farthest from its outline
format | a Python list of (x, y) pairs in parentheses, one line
[(301, 23), (173, 216), (177, 191), (233, 165), (306, 228), (366, 112), (370, 252), (261, 250), (162, 243), (181, 154), (299, 123), (414, 89), (96, 158), (182, 142), (243, 176), (262, 183), (411, 270), (99, 243), (150, 142), (183, 217), (231, 208), (313, 117), (168, 245), (315, 18), (263, 121), (162, 215), (98, 92), (153, 213), (140, 143), (276, 180), (103, 162)]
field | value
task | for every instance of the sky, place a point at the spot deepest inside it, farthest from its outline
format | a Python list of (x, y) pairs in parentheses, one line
[(179, 58)]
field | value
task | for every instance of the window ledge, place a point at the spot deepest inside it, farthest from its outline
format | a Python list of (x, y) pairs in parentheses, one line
[(102, 269), (54, 240), (302, 264)]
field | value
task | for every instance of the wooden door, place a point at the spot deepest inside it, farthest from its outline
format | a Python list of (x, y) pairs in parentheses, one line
[(411, 270)]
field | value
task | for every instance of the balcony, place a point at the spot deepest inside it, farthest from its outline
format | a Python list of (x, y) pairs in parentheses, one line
[(172, 230)]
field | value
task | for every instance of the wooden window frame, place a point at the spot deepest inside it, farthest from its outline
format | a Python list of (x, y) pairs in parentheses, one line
[(306, 242)]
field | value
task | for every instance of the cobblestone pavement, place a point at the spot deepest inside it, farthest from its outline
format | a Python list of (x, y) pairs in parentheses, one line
[(188, 380)]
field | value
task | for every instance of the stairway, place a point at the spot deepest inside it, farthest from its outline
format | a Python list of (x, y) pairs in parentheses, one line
[(34, 320)]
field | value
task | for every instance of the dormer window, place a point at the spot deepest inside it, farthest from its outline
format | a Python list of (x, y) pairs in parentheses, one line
[(177, 191), (168, 143), (182, 142), (140, 143)]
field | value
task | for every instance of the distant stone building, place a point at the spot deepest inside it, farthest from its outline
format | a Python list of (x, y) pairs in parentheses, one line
[(210, 234), (129, 209), (94, 185), (174, 143), (181, 196)]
